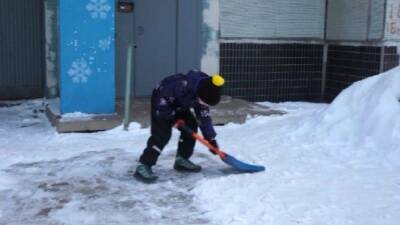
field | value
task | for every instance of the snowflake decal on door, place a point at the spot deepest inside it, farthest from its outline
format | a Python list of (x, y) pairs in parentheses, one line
[(98, 8), (105, 44), (79, 71)]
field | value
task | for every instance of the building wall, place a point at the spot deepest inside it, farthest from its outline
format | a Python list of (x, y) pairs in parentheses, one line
[(51, 48), (267, 50), (272, 19), (392, 23), (390, 57), (210, 31), (356, 20), (273, 72), (273, 50), (347, 20), (376, 20), (365, 33), (348, 64)]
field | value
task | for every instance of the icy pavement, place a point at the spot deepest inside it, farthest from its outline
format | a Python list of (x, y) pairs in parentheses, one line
[(97, 188), (48, 179)]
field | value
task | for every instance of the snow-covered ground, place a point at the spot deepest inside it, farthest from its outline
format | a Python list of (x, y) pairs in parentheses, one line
[(335, 164)]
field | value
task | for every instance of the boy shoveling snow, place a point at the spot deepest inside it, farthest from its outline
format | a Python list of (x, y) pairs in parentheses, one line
[(171, 101)]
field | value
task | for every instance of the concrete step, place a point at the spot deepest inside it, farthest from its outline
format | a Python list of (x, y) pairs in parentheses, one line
[(230, 110)]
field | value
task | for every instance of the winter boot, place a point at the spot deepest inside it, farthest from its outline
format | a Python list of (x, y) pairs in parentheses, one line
[(145, 174), (185, 165)]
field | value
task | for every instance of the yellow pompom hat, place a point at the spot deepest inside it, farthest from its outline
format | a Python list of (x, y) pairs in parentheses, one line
[(217, 80), (209, 89)]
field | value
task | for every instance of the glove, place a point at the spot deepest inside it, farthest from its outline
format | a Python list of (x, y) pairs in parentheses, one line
[(178, 123), (214, 143)]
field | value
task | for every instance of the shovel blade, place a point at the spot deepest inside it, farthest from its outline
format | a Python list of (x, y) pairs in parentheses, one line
[(242, 166)]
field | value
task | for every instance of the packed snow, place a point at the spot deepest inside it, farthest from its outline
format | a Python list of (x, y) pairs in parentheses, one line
[(336, 164)]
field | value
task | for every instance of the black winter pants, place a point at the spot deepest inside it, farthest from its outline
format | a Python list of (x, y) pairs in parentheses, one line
[(161, 130)]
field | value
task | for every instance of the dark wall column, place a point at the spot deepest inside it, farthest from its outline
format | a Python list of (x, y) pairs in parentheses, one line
[(21, 49)]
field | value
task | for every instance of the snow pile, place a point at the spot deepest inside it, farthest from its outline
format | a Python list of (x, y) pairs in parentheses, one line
[(366, 111), (334, 164)]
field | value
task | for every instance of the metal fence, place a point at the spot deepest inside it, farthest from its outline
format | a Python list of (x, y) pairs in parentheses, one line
[(296, 72)]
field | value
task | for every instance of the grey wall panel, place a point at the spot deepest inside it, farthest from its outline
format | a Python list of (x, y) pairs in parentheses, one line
[(188, 37), (376, 20), (304, 18), (272, 19), (252, 18), (21, 49), (156, 31), (347, 20)]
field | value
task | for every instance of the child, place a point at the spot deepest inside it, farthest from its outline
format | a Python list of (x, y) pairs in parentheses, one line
[(172, 100)]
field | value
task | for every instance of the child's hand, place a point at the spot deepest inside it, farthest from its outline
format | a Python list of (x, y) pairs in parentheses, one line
[(214, 143)]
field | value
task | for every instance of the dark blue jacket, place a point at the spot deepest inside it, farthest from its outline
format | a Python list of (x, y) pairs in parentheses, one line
[(178, 92)]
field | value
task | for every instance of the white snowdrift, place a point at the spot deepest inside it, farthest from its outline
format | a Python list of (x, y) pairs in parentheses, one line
[(333, 165), (368, 110)]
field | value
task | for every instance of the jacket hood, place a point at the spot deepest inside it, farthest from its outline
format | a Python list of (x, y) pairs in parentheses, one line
[(194, 77)]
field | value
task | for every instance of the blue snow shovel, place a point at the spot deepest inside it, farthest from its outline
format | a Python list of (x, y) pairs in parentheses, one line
[(228, 159)]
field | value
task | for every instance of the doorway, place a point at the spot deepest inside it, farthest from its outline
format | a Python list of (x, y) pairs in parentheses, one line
[(166, 36)]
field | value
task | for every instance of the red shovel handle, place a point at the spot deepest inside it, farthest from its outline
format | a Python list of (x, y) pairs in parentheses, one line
[(180, 124)]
